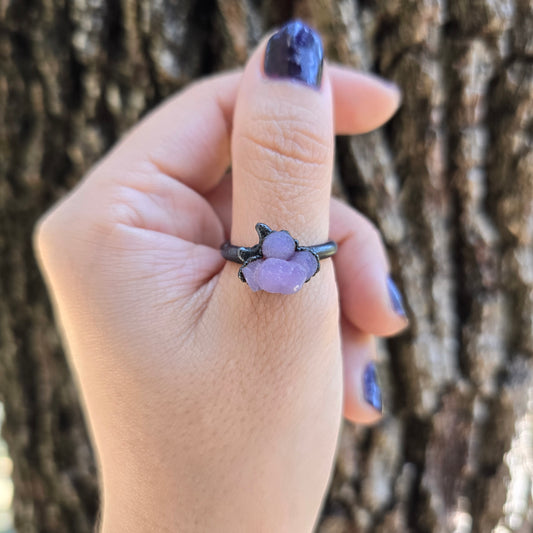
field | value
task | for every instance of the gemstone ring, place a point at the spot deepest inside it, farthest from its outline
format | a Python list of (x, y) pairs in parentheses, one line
[(277, 264)]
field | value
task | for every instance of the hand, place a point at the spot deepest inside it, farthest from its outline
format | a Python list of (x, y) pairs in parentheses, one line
[(212, 407)]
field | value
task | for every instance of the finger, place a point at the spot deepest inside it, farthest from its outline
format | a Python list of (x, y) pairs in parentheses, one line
[(362, 394), (362, 102), (369, 298), (220, 198), (283, 139), (188, 136)]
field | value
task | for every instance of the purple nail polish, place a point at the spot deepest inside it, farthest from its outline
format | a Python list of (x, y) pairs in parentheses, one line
[(395, 297), (295, 52), (371, 390)]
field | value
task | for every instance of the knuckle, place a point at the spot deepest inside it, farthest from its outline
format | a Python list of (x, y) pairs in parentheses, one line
[(51, 236), (369, 241), (74, 227), (370, 237), (374, 237), (294, 144), (42, 235)]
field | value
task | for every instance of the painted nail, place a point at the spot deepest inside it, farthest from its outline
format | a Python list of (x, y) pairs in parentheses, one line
[(395, 297), (371, 390), (295, 52)]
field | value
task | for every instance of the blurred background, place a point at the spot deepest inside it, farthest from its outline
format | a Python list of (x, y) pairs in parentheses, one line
[(448, 181)]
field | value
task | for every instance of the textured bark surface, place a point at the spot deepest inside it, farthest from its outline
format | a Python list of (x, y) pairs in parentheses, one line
[(448, 181)]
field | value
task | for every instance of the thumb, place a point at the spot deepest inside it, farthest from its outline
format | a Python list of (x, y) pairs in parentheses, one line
[(282, 145)]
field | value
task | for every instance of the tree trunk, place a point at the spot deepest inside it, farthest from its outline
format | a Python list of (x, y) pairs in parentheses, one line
[(448, 182)]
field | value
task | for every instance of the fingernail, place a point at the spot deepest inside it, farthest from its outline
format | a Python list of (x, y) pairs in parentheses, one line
[(371, 390), (395, 297), (295, 52)]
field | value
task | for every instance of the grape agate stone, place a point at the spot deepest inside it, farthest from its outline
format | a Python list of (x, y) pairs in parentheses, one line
[(280, 276), (250, 273), (307, 261), (278, 244), (282, 268)]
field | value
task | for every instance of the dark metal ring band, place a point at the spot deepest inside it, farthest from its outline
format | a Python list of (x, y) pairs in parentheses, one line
[(241, 254)]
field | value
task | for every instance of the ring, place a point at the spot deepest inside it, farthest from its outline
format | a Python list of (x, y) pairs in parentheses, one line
[(277, 264)]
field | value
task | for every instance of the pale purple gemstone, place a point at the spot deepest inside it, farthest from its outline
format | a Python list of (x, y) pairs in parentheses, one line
[(281, 277), (250, 274), (307, 261), (278, 244)]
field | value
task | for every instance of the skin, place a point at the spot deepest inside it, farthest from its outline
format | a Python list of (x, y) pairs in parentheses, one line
[(210, 407)]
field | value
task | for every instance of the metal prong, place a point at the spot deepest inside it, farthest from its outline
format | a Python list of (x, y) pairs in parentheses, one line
[(262, 230)]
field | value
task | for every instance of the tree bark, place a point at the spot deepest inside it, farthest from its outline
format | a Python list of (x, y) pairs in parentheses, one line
[(448, 182)]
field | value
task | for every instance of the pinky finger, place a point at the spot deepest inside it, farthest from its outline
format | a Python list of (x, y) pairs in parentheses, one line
[(362, 394)]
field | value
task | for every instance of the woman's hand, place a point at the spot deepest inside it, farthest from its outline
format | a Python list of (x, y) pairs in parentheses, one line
[(212, 407)]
